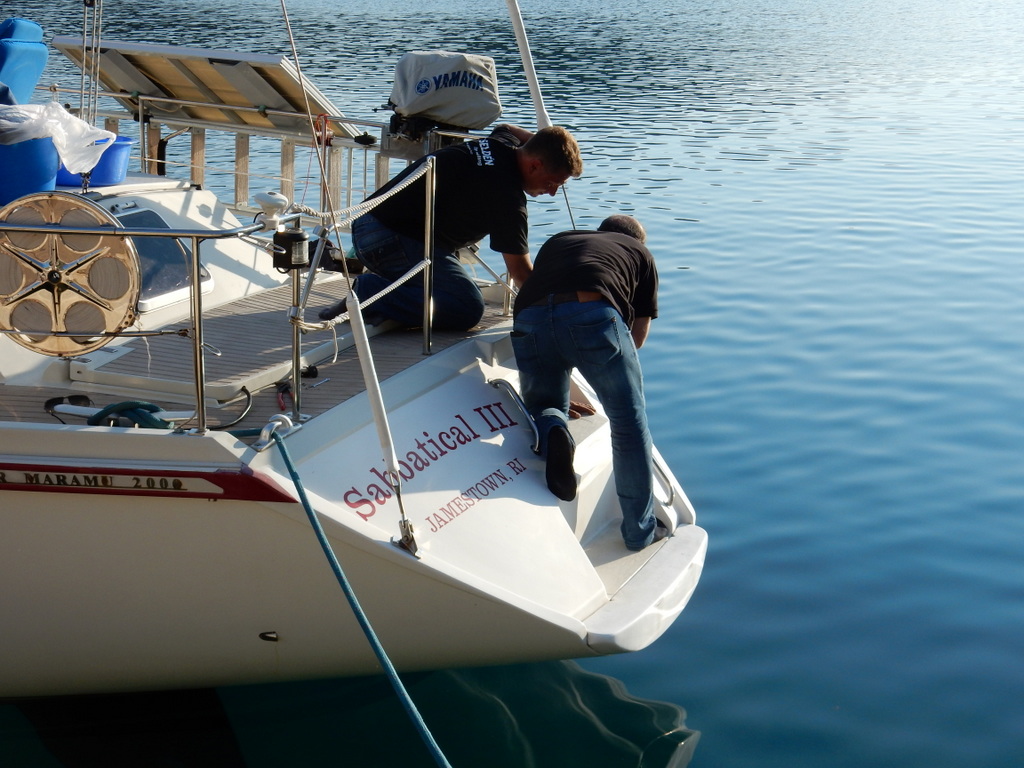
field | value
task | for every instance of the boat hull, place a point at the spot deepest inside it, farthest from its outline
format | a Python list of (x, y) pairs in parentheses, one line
[(149, 559)]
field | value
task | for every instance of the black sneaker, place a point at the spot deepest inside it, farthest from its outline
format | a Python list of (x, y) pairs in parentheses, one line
[(331, 312), (559, 473), (660, 532)]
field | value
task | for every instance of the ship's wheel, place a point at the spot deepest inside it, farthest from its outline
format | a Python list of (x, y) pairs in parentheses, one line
[(65, 294)]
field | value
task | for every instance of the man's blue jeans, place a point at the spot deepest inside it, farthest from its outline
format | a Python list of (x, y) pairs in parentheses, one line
[(458, 304), (549, 341)]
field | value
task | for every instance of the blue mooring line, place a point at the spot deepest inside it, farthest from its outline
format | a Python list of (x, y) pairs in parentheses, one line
[(371, 636)]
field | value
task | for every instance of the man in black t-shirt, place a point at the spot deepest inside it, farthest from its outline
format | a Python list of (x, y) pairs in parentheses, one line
[(480, 190), (588, 304)]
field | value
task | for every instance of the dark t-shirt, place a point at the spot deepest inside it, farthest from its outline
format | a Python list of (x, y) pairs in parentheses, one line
[(617, 266), (479, 192)]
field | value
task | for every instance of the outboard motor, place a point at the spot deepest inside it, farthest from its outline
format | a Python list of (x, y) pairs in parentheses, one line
[(440, 89)]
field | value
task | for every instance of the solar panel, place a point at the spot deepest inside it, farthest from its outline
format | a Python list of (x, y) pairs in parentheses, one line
[(214, 88)]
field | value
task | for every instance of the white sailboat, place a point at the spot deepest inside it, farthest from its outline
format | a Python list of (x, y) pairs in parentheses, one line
[(167, 404)]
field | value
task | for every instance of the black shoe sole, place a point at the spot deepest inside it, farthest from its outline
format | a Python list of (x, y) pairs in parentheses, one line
[(559, 473)]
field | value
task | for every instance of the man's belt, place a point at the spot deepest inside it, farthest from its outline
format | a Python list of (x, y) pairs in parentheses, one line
[(566, 296)]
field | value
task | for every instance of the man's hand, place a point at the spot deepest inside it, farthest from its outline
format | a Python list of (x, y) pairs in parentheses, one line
[(576, 410), (639, 330), (519, 266)]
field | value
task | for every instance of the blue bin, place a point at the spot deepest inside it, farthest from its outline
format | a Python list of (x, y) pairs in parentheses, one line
[(26, 167), (111, 168)]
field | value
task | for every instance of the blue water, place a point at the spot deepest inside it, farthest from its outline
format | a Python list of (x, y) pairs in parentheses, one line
[(833, 192)]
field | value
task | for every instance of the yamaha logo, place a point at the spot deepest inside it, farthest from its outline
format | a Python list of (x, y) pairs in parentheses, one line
[(459, 79)]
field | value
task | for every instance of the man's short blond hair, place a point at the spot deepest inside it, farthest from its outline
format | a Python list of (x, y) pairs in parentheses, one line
[(556, 148)]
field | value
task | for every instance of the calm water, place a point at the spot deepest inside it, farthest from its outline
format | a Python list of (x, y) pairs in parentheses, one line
[(833, 191)]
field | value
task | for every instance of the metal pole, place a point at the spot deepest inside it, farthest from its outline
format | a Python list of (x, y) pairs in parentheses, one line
[(543, 121), (296, 349), (428, 253), (197, 338)]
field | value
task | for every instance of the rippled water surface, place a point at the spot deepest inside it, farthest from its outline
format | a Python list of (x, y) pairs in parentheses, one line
[(833, 190)]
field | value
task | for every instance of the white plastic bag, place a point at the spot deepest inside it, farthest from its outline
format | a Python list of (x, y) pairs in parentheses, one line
[(22, 123), (74, 138)]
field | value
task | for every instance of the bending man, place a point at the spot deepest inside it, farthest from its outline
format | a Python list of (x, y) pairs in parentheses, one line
[(588, 305), (481, 189)]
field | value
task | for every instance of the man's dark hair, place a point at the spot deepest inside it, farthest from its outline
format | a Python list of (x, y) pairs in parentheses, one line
[(625, 225)]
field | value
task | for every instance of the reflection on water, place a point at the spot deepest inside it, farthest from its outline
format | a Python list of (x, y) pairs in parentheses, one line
[(549, 715), (836, 378)]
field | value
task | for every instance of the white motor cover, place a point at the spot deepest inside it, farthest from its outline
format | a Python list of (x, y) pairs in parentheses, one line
[(459, 89)]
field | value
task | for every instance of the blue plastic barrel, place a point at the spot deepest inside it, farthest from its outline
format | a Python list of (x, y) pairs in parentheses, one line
[(26, 167), (111, 168)]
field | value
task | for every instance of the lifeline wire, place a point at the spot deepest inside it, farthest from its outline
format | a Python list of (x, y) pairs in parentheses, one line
[(364, 623), (318, 146), (362, 342), (543, 120)]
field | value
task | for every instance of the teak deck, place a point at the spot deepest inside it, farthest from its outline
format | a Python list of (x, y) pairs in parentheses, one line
[(249, 350)]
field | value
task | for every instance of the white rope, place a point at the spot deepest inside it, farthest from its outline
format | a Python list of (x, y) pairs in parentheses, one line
[(353, 212), (327, 324)]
